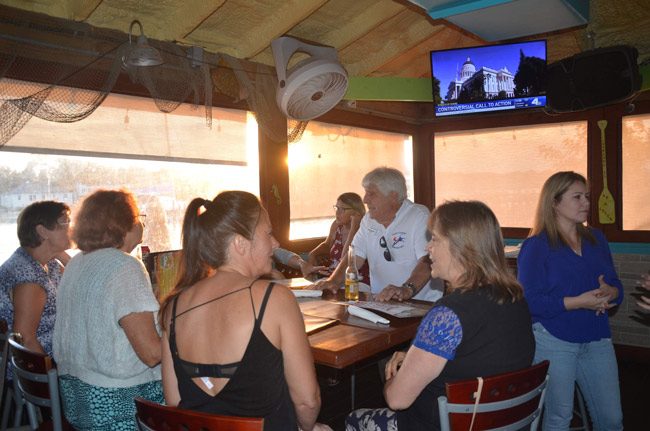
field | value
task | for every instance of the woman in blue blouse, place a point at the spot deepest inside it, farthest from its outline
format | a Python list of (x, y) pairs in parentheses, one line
[(570, 283), (480, 328), (29, 279)]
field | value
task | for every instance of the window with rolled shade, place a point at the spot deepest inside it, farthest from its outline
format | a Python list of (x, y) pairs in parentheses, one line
[(506, 167), (165, 159), (332, 159), (636, 172)]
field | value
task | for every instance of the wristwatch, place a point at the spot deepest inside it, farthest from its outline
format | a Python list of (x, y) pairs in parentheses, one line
[(411, 286)]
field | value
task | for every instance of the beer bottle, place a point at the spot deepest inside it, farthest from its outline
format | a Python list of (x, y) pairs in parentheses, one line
[(351, 277)]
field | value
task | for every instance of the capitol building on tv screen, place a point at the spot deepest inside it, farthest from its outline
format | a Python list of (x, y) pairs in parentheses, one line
[(496, 83)]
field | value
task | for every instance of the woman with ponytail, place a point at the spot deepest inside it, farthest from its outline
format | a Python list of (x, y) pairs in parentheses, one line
[(234, 344)]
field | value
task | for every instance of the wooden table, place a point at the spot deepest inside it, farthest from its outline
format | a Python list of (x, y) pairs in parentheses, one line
[(353, 341)]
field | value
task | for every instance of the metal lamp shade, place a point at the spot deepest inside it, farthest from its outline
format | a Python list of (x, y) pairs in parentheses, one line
[(141, 54)]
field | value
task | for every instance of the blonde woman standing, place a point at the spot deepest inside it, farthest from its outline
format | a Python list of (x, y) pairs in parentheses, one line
[(570, 283)]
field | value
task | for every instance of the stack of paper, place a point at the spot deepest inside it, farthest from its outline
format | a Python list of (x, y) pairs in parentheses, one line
[(305, 293)]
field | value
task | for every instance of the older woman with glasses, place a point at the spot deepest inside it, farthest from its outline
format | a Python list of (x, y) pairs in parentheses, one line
[(29, 279), (349, 212), (106, 343)]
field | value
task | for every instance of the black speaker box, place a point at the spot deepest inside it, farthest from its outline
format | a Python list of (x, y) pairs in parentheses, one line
[(593, 78)]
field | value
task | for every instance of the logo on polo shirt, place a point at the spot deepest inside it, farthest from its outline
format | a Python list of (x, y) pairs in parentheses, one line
[(398, 240)]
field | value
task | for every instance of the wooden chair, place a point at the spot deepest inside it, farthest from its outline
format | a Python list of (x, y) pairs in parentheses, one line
[(155, 417), (508, 401), (4, 349), (8, 398), (36, 382)]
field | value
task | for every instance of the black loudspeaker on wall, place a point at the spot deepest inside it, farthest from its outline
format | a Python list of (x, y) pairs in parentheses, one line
[(593, 78)]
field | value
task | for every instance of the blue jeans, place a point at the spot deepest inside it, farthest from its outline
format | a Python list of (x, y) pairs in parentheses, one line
[(593, 366)]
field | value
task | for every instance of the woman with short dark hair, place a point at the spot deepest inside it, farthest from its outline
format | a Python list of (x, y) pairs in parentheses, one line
[(29, 279), (106, 343)]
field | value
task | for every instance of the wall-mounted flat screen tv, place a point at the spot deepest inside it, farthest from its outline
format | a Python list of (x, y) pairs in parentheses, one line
[(489, 78)]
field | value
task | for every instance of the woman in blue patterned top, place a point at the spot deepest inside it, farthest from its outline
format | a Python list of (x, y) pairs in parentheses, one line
[(570, 282), (29, 279), (481, 327)]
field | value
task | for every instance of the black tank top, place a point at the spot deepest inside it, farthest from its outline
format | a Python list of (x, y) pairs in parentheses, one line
[(257, 386), (497, 338)]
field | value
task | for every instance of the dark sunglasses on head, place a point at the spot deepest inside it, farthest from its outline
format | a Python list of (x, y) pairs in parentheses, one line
[(382, 243)]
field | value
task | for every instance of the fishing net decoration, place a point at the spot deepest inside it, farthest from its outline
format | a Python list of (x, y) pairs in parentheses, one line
[(258, 87), (71, 88)]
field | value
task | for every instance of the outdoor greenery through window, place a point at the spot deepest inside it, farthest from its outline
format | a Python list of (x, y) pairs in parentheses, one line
[(636, 172), (332, 159), (506, 167), (164, 159)]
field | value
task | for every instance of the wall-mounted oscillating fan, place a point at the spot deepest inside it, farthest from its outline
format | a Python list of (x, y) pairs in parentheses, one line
[(314, 85)]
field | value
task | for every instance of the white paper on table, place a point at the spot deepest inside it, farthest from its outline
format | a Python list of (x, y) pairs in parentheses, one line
[(394, 309), (306, 293), (367, 315), (294, 283)]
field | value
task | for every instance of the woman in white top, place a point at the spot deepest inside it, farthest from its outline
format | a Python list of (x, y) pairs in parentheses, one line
[(106, 344)]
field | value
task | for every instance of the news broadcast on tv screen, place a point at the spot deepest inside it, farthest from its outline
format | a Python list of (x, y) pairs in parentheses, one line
[(489, 78)]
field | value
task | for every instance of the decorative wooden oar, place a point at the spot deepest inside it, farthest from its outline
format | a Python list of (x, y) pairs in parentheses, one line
[(606, 210)]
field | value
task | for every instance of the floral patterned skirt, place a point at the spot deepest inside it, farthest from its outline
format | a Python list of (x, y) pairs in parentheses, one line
[(371, 420), (88, 407)]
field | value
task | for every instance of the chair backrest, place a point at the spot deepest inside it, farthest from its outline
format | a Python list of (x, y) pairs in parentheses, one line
[(4, 349), (36, 380), (508, 401), (155, 417)]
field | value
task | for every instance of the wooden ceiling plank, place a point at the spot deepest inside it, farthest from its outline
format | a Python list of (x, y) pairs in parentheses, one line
[(386, 43), (325, 26), (165, 20), (414, 62), (118, 14), (290, 24), (80, 10), (243, 28), (195, 20)]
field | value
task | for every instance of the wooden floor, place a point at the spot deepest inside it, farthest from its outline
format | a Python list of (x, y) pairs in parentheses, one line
[(634, 374)]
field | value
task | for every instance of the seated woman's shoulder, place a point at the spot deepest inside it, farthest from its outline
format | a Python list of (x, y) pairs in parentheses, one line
[(117, 258), (280, 295)]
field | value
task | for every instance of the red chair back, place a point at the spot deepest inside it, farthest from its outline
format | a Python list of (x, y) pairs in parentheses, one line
[(506, 400), (36, 382), (156, 417)]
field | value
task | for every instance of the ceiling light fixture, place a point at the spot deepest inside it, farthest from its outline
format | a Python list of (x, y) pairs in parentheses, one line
[(141, 54)]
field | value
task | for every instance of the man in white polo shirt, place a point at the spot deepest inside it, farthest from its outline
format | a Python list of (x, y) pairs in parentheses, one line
[(392, 238)]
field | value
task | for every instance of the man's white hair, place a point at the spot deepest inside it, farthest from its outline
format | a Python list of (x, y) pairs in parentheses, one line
[(386, 180)]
